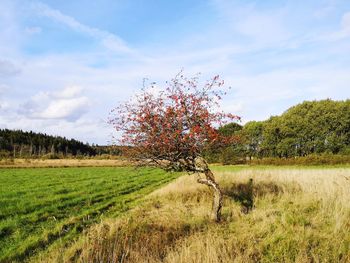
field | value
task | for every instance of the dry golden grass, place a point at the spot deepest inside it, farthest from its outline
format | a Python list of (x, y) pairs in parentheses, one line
[(299, 215), (36, 163)]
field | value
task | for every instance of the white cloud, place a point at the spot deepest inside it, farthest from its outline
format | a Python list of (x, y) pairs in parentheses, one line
[(68, 92), (66, 104), (109, 40), (69, 109)]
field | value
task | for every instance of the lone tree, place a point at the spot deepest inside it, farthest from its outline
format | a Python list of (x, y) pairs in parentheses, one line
[(172, 127)]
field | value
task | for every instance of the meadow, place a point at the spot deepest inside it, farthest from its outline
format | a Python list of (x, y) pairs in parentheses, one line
[(47, 207), (285, 214)]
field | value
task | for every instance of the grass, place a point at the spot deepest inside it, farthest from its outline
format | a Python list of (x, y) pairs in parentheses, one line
[(297, 215), (48, 207)]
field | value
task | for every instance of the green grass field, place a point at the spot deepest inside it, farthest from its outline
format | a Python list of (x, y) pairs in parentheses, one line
[(43, 207)]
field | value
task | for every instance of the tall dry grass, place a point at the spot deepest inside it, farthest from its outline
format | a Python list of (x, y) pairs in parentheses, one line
[(47, 163), (298, 215)]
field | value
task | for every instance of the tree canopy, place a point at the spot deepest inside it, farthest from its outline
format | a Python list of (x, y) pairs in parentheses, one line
[(172, 127), (311, 127)]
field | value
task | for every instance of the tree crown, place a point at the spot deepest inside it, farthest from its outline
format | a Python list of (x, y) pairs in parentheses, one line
[(171, 128)]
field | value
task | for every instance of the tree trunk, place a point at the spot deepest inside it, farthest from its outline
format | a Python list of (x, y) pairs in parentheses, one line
[(31, 149), (14, 150), (217, 201)]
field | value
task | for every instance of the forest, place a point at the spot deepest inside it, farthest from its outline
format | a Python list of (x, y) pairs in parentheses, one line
[(22, 144), (311, 128)]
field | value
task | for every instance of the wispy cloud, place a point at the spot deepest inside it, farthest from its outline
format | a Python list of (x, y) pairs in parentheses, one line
[(272, 25), (109, 40), (343, 32)]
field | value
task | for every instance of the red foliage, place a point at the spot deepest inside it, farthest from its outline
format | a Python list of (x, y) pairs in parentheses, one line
[(172, 126)]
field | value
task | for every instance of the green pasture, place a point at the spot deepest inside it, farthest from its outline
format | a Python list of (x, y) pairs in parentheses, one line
[(41, 207)]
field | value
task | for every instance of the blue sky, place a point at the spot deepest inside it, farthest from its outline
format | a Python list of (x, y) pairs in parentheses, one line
[(65, 64)]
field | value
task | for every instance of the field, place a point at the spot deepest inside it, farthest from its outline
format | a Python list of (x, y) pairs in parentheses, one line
[(96, 214), (291, 214), (45, 207)]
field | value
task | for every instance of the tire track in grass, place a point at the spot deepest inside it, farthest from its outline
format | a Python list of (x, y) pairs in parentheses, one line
[(48, 201), (52, 211)]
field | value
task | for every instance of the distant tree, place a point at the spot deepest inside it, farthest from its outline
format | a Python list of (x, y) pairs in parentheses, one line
[(172, 127), (230, 129), (252, 138), (231, 152)]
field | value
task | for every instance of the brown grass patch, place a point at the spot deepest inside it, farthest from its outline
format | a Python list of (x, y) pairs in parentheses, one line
[(47, 163)]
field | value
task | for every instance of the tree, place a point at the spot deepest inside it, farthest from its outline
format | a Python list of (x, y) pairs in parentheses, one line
[(252, 137), (171, 128), (230, 129), (230, 152)]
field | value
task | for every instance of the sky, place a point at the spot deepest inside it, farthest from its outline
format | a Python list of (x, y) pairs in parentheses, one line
[(65, 64)]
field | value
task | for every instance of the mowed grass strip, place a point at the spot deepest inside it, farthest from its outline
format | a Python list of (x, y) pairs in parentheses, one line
[(39, 207)]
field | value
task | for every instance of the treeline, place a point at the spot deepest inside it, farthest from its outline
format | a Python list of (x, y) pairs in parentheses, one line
[(108, 151), (313, 132), (309, 129), (21, 144)]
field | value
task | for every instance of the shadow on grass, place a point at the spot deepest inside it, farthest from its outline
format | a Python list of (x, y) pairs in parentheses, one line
[(244, 193), (136, 239)]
